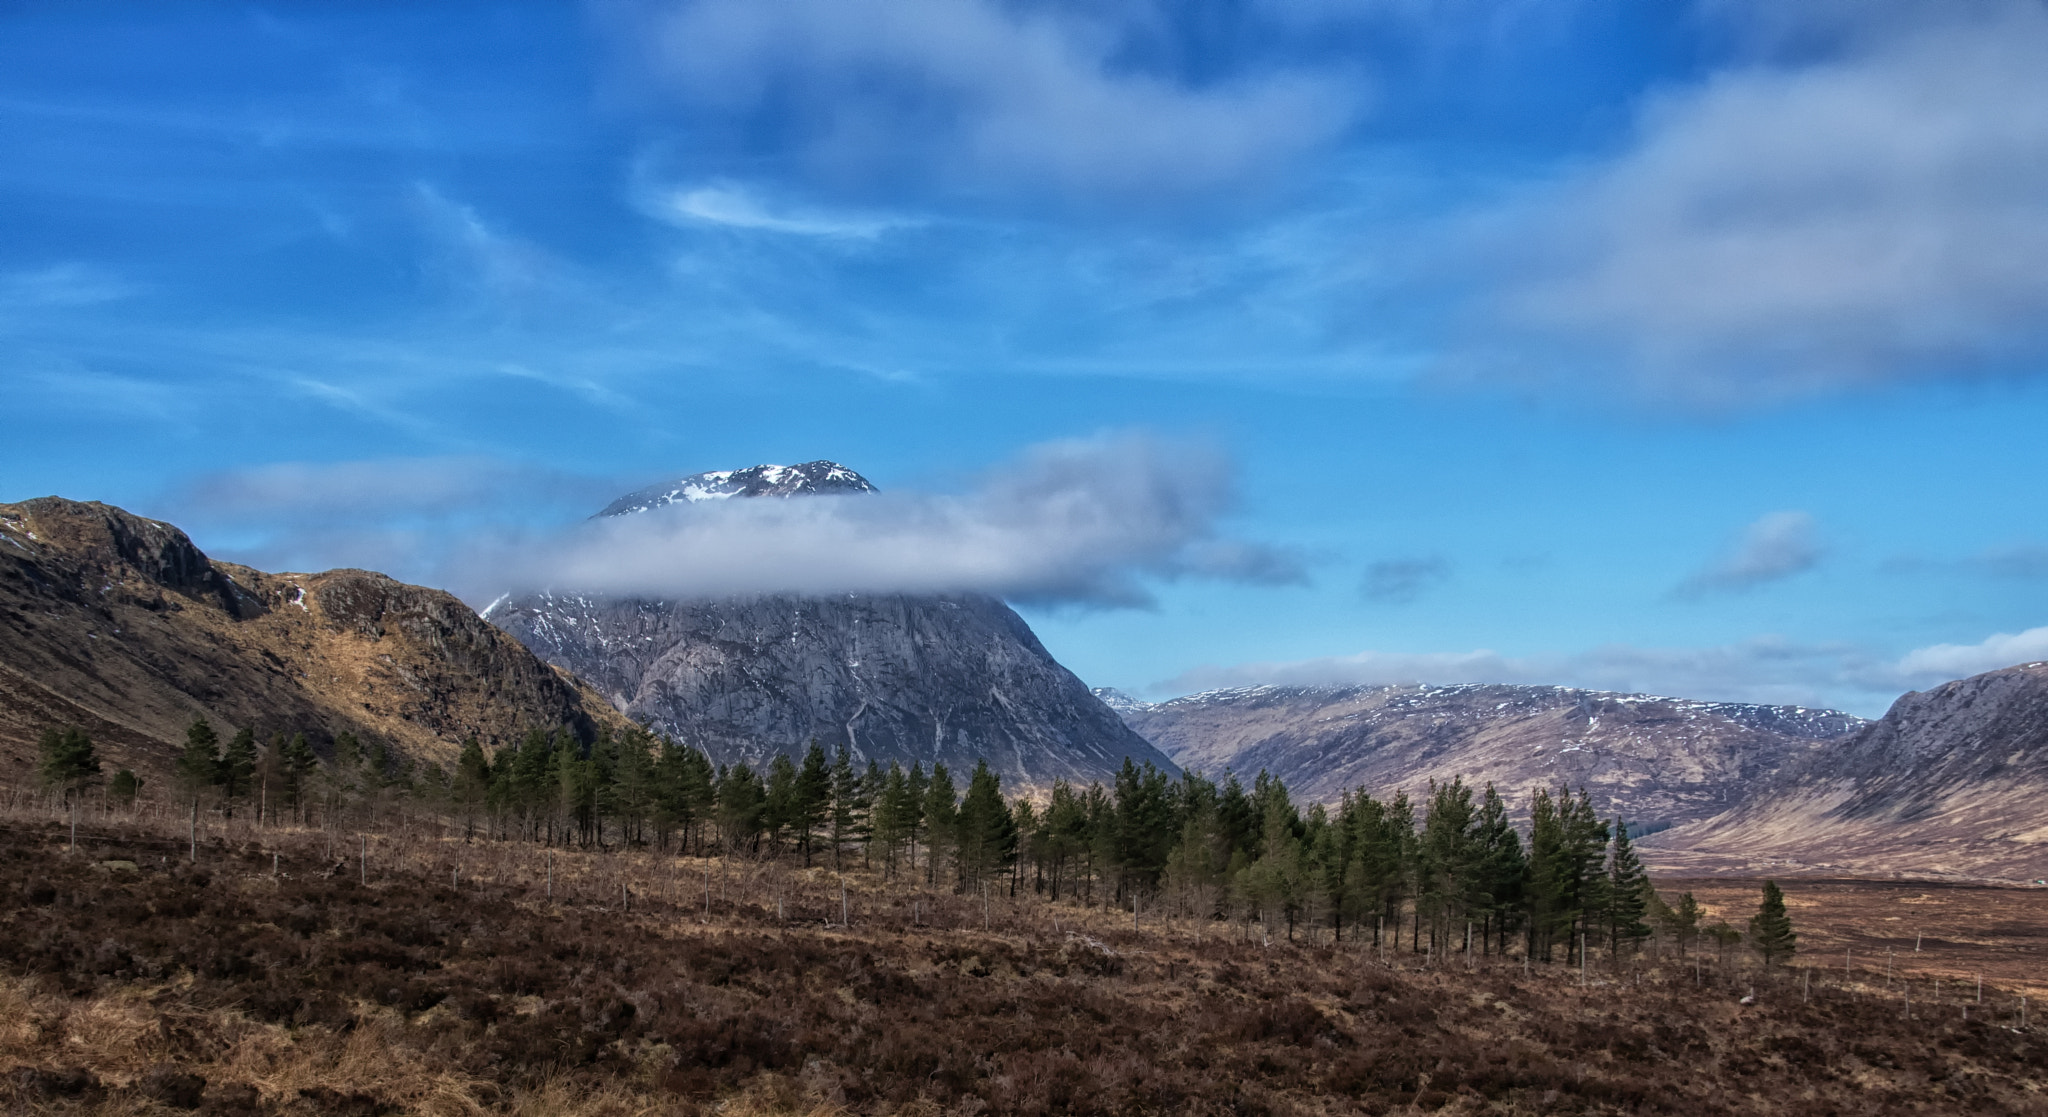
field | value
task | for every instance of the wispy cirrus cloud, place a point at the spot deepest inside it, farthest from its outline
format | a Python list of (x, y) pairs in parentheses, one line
[(734, 206), (1775, 547), (69, 284)]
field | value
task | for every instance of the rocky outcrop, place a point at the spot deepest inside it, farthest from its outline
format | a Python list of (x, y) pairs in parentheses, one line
[(915, 679), (1948, 783), (1654, 761), (118, 624)]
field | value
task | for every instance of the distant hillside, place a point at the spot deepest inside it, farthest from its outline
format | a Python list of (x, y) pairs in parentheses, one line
[(912, 678), (119, 624), (1654, 761), (1950, 782)]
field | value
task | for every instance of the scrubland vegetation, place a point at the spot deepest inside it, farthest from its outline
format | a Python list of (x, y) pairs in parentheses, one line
[(549, 932), (291, 970)]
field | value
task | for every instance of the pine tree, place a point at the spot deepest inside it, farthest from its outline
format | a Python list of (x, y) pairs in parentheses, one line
[(1447, 859), (633, 786), (1626, 884), (813, 796), (1502, 870), (67, 762), (940, 811), (1685, 922), (1066, 836), (844, 811), (236, 775), (198, 766), (1770, 929), (741, 803), (986, 835), (780, 815), (299, 762), (124, 787), (472, 783)]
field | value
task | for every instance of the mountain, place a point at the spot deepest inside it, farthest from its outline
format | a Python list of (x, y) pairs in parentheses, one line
[(912, 678), (808, 479), (1949, 782), (1654, 761), (118, 624)]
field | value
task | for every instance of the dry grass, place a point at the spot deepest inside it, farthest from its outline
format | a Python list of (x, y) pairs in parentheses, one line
[(420, 992)]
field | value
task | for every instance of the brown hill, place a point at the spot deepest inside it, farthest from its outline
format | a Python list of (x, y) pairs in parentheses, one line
[(120, 625), (1654, 761), (1948, 784)]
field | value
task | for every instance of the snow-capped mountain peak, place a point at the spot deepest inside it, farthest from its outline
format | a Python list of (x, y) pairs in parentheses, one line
[(807, 479)]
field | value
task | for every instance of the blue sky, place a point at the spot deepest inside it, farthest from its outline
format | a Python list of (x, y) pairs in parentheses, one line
[(1687, 348)]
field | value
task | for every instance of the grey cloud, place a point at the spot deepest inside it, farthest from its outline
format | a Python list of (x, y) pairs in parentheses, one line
[(1792, 227), (976, 92), (1083, 522), (295, 491), (1773, 548), (397, 515), (2016, 560), (1401, 581)]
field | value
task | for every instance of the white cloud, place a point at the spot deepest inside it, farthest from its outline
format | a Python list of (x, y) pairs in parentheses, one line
[(1082, 522), (1787, 227), (1775, 547), (980, 93), (737, 207), (2000, 649)]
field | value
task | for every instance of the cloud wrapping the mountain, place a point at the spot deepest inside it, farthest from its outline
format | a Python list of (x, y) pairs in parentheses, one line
[(1800, 224), (1081, 522), (1775, 547)]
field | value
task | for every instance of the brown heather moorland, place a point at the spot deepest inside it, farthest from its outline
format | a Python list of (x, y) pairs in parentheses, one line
[(409, 973)]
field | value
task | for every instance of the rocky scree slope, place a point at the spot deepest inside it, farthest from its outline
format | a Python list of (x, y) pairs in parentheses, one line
[(1653, 761), (912, 678), (1949, 783), (118, 624)]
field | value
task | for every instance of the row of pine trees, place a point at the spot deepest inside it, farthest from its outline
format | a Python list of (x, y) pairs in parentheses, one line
[(1449, 872)]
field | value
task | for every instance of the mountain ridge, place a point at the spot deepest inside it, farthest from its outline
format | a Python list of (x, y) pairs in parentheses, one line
[(1651, 759), (121, 625), (1947, 783)]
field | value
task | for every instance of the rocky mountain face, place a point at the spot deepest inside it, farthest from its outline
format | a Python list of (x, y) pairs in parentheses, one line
[(118, 624), (1949, 782), (915, 679), (1653, 761)]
